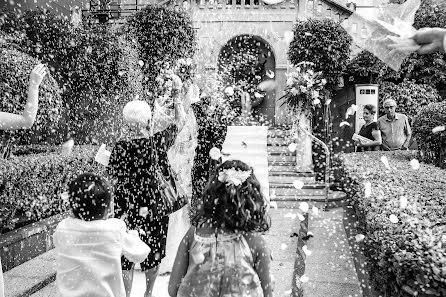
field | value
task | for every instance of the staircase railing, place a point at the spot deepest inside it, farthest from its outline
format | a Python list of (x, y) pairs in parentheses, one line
[(327, 162)]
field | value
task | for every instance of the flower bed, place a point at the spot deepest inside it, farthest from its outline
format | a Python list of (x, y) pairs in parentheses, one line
[(30, 185), (403, 217)]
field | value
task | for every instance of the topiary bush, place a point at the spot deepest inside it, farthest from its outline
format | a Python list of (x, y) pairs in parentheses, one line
[(30, 185), (405, 254), (409, 96), (431, 143), (165, 35), (15, 68), (324, 43), (366, 68)]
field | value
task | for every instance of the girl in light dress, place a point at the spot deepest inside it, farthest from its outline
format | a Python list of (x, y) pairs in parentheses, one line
[(224, 253)]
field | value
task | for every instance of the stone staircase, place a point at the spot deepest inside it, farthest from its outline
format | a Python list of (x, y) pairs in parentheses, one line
[(282, 173)]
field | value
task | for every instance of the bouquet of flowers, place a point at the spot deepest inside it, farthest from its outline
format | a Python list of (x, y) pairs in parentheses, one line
[(185, 69), (303, 88)]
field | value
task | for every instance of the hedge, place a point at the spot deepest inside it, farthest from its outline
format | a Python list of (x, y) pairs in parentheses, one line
[(432, 145), (409, 96), (15, 68), (30, 185), (407, 258)]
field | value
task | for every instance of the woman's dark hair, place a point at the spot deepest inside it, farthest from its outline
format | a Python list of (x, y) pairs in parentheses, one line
[(371, 108), (237, 208), (90, 197)]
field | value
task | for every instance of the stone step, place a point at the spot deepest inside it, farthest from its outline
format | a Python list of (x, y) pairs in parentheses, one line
[(291, 168), (291, 173), (279, 133), (278, 141), (315, 186), (288, 179), (291, 191), (281, 158), (333, 196), (279, 150)]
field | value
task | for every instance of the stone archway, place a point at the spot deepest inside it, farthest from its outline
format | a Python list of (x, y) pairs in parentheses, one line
[(254, 62)]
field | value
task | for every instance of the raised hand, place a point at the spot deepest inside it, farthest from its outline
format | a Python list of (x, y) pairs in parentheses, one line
[(177, 83), (37, 75), (430, 39)]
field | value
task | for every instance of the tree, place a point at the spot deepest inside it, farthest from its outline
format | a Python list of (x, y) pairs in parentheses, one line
[(324, 43)]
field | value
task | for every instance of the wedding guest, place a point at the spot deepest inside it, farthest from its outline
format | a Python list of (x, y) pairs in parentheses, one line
[(11, 121), (89, 245), (395, 129), (138, 198), (369, 130)]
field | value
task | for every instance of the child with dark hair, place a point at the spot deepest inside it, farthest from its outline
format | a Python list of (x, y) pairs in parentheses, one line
[(89, 245), (224, 254)]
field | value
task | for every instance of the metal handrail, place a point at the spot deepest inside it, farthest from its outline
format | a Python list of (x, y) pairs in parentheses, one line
[(327, 162)]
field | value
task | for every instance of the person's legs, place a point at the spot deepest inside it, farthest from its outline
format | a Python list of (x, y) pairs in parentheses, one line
[(151, 275), (127, 276)]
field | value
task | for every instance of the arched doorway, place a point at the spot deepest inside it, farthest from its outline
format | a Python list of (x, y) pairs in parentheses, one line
[(247, 60)]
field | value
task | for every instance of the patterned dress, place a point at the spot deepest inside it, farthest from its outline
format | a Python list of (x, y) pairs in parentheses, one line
[(220, 266), (131, 163)]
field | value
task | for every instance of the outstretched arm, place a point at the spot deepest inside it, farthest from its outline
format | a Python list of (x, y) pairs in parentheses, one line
[(431, 40), (11, 121), (181, 263)]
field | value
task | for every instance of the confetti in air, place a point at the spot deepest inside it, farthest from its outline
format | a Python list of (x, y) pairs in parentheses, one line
[(270, 73), (316, 101), (403, 202), (291, 215), (215, 153), (143, 212), (359, 237), (306, 250), (273, 204), (393, 218), (298, 184), (415, 164), (438, 129), (301, 217), (292, 147), (141, 63), (386, 162), (304, 278), (65, 196), (367, 189), (304, 207), (67, 147), (283, 246), (344, 123), (315, 210)]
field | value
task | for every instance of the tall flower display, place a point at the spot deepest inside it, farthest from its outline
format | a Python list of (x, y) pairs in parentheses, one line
[(304, 89)]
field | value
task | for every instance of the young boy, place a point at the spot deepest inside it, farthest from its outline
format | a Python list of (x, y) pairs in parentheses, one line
[(89, 245)]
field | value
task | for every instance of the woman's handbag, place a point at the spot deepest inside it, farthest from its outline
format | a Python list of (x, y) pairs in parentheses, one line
[(173, 196)]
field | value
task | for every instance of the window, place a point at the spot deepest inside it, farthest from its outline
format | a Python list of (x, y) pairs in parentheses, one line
[(329, 12), (355, 28), (310, 4), (319, 7)]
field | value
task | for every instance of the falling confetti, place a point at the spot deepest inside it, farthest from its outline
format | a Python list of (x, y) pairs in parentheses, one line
[(273, 204), (344, 123), (67, 147), (316, 101), (301, 217), (304, 278), (306, 250), (385, 161), (143, 212), (315, 210), (438, 129), (393, 218), (298, 184), (215, 153), (141, 63), (283, 246), (367, 189), (403, 202), (303, 206), (359, 237), (65, 196), (292, 147), (270, 73), (415, 164), (290, 215)]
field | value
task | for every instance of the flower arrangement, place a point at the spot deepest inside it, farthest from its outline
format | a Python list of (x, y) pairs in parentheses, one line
[(304, 88), (185, 69)]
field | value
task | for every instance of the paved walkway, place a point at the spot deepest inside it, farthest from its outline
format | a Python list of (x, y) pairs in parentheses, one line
[(281, 243), (330, 267)]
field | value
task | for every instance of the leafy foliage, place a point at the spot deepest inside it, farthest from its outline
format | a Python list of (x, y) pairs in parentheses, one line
[(15, 68), (432, 145), (30, 185), (405, 258), (164, 35), (368, 66), (409, 96), (324, 43)]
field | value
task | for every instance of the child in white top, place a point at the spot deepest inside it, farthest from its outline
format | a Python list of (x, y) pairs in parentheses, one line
[(89, 245)]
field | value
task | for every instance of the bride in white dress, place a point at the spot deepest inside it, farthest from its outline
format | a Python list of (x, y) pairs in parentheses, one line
[(181, 156)]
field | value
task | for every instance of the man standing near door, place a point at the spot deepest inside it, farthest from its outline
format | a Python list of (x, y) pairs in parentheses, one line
[(395, 128)]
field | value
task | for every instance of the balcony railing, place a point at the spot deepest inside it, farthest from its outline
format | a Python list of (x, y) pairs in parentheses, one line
[(243, 4)]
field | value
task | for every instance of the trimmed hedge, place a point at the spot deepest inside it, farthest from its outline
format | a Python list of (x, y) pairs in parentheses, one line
[(30, 185), (407, 258), (15, 68), (409, 96), (432, 145)]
